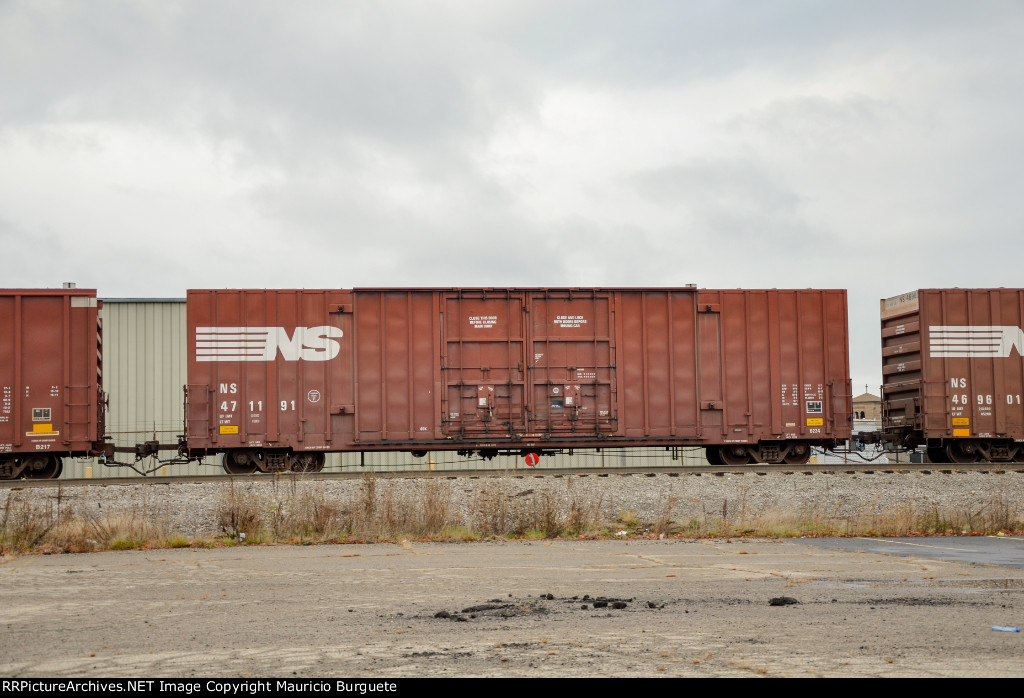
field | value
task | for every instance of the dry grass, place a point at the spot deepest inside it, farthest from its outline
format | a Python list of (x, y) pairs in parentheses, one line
[(306, 512), (240, 513), (388, 510), (55, 525), (497, 512), (869, 518), (379, 511), (25, 525)]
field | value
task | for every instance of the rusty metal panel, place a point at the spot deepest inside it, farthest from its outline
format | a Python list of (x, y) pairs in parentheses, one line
[(269, 368), (962, 349), (50, 378), (514, 369), (572, 372), (631, 365), (734, 366), (484, 364), (663, 363), (398, 396)]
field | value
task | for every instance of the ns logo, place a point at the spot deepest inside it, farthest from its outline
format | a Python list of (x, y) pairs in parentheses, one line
[(975, 341), (265, 343)]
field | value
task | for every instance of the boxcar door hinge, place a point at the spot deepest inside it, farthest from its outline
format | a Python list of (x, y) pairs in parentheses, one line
[(343, 409), (341, 308)]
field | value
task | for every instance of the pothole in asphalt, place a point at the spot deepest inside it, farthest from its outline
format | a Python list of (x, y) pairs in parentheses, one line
[(912, 601), (545, 604)]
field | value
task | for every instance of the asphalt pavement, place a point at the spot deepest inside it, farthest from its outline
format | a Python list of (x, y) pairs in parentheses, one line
[(1006, 551)]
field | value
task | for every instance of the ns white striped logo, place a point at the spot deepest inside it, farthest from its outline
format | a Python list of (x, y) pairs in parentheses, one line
[(975, 341), (264, 343)]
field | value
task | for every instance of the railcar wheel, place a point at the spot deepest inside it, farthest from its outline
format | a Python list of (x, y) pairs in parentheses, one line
[(798, 454), (962, 452), (734, 455), (43, 467), (309, 463), (937, 454), (236, 463), (712, 455)]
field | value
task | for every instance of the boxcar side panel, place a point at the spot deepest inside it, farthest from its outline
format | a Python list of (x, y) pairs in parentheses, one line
[(50, 377), (462, 369), (572, 373), (657, 364), (397, 348), (755, 365), (972, 361), (484, 364), (268, 368), (953, 372)]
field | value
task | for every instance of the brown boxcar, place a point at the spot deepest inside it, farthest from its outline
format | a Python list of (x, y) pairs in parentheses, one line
[(278, 377), (952, 373), (51, 388)]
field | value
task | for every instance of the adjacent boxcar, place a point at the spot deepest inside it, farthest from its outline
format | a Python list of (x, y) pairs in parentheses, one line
[(952, 373), (51, 387), (278, 377)]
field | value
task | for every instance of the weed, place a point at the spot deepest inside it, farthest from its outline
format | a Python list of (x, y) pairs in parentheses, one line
[(629, 521), (533, 534), (663, 524), (436, 507), (24, 524), (239, 513), (290, 510), (126, 543), (459, 533), (546, 515)]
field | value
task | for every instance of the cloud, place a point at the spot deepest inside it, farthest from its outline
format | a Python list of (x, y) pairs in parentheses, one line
[(149, 147)]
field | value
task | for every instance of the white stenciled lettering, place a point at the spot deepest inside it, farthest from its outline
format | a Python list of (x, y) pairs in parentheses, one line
[(481, 322), (570, 320)]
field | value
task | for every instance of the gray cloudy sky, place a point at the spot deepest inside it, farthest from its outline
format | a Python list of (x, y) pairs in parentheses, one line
[(151, 147)]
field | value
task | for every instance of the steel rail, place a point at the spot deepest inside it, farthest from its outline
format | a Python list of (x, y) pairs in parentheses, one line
[(522, 473)]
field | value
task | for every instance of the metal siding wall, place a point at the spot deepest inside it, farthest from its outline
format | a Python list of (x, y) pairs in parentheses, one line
[(143, 374)]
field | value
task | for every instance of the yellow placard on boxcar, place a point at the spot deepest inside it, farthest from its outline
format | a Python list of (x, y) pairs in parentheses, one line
[(961, 421), (42, 428), (815, 421), (229, 430), (961, 432)]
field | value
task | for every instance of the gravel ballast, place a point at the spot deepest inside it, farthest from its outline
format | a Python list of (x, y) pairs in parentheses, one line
[(740, 501)]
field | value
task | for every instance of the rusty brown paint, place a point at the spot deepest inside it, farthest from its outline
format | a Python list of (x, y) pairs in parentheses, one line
[(50, 378), (516, 369), (951, 366)]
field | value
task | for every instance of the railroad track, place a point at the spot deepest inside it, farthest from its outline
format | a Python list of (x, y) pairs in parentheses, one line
[(692, 470)]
